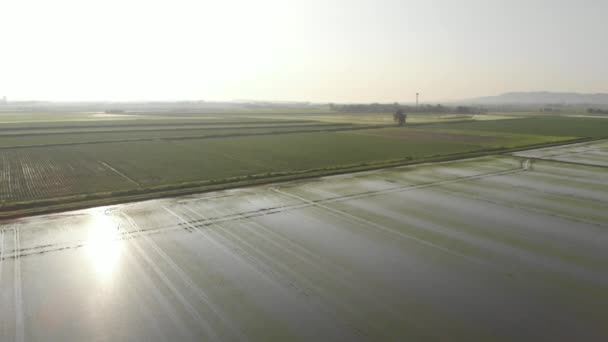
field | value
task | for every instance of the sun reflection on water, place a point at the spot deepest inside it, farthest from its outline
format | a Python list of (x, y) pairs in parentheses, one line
[(103, 245)]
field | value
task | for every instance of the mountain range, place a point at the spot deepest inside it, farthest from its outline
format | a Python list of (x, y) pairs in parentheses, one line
[(543, 98)]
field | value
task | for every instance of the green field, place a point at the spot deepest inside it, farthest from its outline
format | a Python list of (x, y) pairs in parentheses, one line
[(79, 136), (46, 159), (540, 125)]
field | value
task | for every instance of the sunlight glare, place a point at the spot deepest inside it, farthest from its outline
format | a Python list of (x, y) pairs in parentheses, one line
[(103, 246)]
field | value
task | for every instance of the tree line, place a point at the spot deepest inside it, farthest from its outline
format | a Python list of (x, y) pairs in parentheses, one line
[(597, 111), (394, 107)]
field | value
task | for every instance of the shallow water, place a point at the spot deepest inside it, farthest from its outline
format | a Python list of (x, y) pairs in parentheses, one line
[(466, 250)]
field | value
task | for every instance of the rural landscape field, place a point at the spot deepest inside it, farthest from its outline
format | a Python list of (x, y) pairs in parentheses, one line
[(318, 170), (58, 161), (442, 221), (423, 252)]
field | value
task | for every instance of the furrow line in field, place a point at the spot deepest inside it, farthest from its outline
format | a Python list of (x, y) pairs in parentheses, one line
[(242, 160), (270, 267), (573, 152), (119, 173), (168, 306), (171, 287), (272, 277), (564, 161), (238, 216), (340, 213), (183, 129), (557, 153), (552, 152), (534, 183), (586, 159), (260, 268), (178, 138), (255, 263), (162, 124), (248, 214), (507, 243), (575, 179), (5, 190), (19, 331), (1, 253), (47, 248), (525, 208), (416, 186), (149, 308), (333, 272), (186, 279)]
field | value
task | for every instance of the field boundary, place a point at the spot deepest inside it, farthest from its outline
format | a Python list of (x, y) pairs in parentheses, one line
[(198, 137), (191, 127), (319, 128), (157, 124), (562, 161), (119, 173), (46, 206)]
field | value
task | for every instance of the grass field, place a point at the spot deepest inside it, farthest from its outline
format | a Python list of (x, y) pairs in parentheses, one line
[(497, 248), (43, 173), (51, 158), (541, 125), (46, 138)]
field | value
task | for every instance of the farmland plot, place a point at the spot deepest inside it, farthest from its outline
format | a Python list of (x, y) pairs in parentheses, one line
[(493, 248), (40, 173), (106, 160), (594, 153)]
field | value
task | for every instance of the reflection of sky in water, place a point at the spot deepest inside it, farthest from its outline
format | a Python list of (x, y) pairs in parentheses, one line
[(103, 245)]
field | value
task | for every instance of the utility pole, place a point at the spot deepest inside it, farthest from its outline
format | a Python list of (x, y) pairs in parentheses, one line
[(417, 94)]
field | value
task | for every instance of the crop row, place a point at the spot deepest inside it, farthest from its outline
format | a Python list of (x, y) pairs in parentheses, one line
[(33, 174)]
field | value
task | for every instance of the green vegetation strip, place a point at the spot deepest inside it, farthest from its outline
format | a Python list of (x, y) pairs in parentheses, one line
[(192, 127), (140, 123), (317, 128), (553, 126), (37, 207)]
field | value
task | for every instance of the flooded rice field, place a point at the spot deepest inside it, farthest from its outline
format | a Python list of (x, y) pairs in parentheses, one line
[(592, 153), (494, 248)]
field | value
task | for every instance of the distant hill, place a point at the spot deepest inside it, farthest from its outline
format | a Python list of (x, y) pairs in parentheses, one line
[(543, 98)]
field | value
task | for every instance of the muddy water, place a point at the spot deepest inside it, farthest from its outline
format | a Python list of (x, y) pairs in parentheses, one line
[(469, 250)]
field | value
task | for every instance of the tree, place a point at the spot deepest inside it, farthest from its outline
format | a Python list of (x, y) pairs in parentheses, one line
[(399, 116)]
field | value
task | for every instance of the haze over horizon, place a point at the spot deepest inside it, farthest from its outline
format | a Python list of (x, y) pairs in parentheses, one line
[(322, 51)]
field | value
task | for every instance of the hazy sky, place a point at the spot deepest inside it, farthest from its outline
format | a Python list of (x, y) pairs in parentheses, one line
[(332, 50)]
